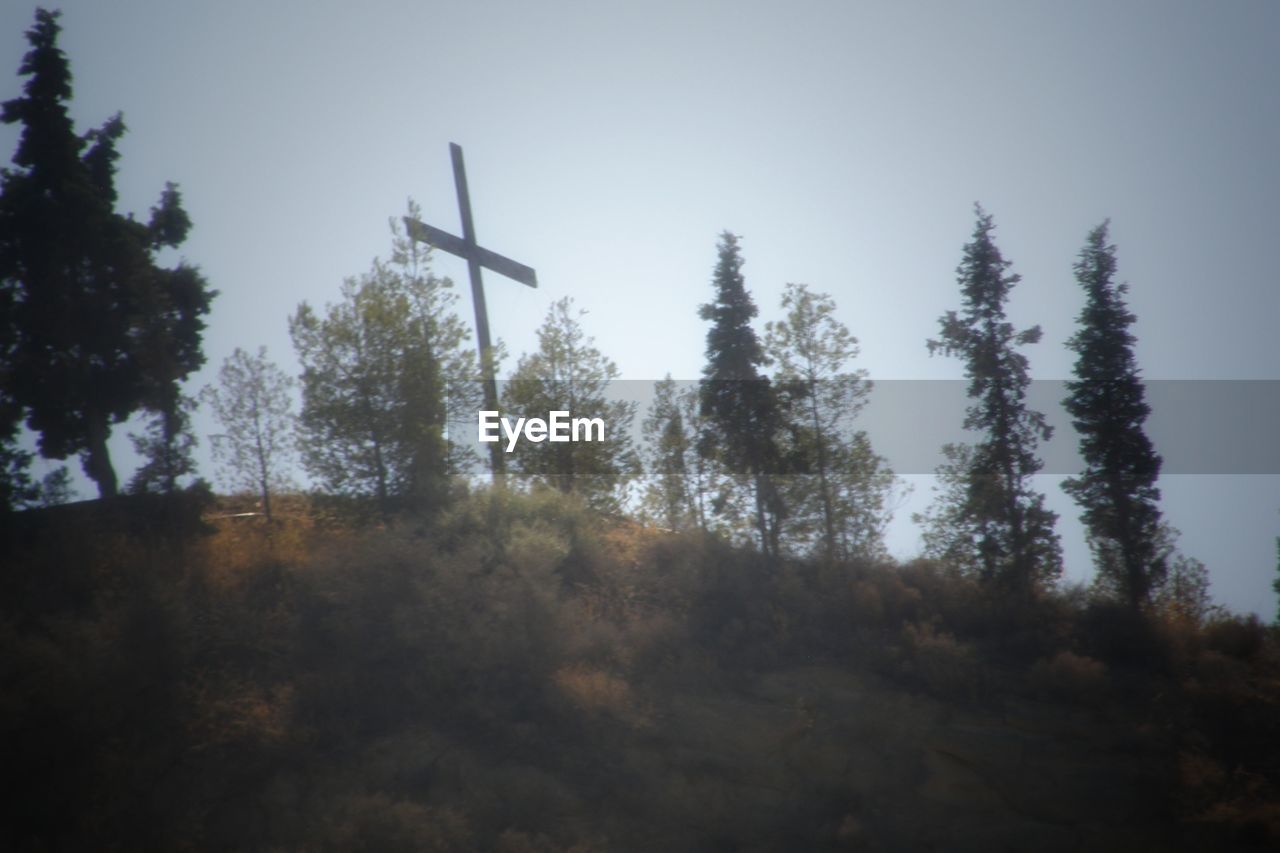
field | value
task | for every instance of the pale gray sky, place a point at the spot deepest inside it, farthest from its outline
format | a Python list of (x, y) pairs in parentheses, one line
[(608, 144)]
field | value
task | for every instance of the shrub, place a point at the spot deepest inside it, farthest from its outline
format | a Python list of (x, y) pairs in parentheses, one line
[(1240, 637), (940, 663), (1070, 677), (375, 822), (595, 692)]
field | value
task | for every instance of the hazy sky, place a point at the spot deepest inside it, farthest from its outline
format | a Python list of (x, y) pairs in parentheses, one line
[(608, 144)]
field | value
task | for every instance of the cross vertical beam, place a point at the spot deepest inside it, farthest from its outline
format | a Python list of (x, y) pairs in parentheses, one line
[(476, 257), (487, 370)]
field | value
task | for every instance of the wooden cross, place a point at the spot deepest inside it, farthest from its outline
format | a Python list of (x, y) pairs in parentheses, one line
[(476, 256)]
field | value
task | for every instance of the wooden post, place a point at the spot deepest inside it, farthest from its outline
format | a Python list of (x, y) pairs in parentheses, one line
[(476, 257)]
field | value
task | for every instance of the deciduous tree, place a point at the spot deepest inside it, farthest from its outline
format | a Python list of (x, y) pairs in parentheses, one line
[(837, 493), (253, 401), (682, 483)]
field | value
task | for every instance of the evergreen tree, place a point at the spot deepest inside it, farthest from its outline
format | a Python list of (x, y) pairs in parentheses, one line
[(16, 488), (568, 373), (253, 401), (999, 520), (436, 298), (166, 448), (1117, 492), (99, 330), (738, 402), (947, 528), (373, 410), (1275, 584), (55, 487)]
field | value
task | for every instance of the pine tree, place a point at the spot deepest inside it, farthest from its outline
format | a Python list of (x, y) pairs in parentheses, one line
[(99, 330), (738, 402), (1001, 523), (373, 402), (569, 373), (16, 489), (1275, 584), (437, 299), (1117, 492), (167, 449)]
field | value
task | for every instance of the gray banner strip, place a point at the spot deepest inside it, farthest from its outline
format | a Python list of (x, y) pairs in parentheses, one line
[(1198, 426)]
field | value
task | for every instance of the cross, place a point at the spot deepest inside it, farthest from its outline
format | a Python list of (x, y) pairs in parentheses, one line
[(476, 256)]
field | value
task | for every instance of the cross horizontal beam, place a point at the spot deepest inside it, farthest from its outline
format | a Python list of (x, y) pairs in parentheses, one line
[(425, 233)]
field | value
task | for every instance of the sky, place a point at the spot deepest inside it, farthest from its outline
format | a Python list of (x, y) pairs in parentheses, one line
[(608, 144)]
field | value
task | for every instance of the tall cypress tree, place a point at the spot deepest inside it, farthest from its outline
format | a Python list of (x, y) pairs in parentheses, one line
[(96, 329), (738, 402), (1001, 520), (1117, 492)]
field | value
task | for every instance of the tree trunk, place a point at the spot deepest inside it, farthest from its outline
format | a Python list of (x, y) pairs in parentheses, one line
[(97, 459), (828, 509)]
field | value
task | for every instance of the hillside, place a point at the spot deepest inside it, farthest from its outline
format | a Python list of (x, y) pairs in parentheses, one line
[(523, 675)]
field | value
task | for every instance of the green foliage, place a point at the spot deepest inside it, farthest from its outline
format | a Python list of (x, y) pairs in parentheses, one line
[(166, 448), (1117, 492), (1183, 594), (16, 488), (456, 358), (56, 488), (254, 404), (80, 280), (837, 501), (670, 452), (739, 404), (996, 520), (373, 407), (681, 481), (568, 373)]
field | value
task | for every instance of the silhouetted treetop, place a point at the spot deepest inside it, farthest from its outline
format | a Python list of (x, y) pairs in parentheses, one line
[(97, 329)]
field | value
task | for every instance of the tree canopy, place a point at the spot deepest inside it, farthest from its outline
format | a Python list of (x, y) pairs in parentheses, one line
[(1117, 491), (373, 407), (96, 329), (738, 401), (569, 373), (253, 401), (837, 489), (995, 523)]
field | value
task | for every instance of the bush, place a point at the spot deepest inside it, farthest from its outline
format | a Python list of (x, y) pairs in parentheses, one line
[(375, 822), (940, 663), (595, 692), (1070, 677), (1240, 637)]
